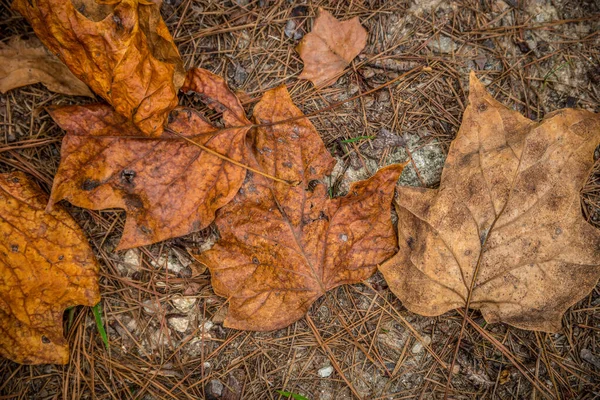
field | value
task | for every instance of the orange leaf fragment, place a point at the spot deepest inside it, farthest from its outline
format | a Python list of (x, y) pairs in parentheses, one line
[(25, 61), (505, 226), (46, 265), (283, 246), (121, 49), (168, 186), (330, 47)]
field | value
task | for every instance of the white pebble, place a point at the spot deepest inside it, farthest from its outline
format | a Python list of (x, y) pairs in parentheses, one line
[(325, 371)]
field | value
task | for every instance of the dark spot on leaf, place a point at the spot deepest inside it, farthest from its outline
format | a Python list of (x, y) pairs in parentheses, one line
[(410, 242), (324, 216), (61, 257), (483, 236), (45, 340), (287, 164), (15, 180), (145, 230), (312, 185), (118, 22), (89, 184), (482, 107), (468, 252), (134, 201), (14, 248), (255, 260), (127, 176)]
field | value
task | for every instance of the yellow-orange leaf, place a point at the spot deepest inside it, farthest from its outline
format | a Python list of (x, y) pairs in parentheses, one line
[(283, 246), (25, 61), (121, 49), (330, 47), (168, 186), (46, 265), (505, 227)]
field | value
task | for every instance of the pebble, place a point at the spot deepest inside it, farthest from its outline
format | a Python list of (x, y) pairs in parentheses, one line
[(214, 389), (325, 372), (418, 347), (180, 324), (442, 45), (184, 304)]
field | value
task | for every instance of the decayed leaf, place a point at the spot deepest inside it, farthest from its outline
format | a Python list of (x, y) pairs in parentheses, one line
[(46, 265), (121, 49), (25, 61), (168, 186), (506, 219), (330, 47), (284, 246)]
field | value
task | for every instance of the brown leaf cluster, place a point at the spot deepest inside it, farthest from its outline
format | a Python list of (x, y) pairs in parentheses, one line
[(25, 61), (283, 247), (168, 186), (46, 265), (330, 47), (504, 233), (121, 49)]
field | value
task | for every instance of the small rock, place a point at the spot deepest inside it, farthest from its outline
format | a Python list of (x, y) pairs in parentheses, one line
[(291, 30), (325, 372), (180, 324), (214, 390), (207, 326), (367, 73), (588, 356), (173, 262), (443, 44), (184, 304), (131, 262), (418, 347), (151, 306)]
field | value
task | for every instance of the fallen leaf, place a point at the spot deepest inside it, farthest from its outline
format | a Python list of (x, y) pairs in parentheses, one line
[(330, 47), (46, 265), (283, 246), (505, 225), (25, 61), (168, 186), (121, 49)]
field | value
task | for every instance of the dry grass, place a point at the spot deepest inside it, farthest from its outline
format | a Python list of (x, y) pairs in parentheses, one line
[(536, 60)]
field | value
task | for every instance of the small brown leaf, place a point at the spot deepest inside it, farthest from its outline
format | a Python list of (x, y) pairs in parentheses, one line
[(168, 186), (25, 61), (284, 246), (330, 47), (505, 226), (121, 49), (46, 265)]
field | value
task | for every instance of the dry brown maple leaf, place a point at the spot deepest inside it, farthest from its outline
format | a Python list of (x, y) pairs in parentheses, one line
[(283, 246), (121, 49), (168, 186), (506, 223), (46, 265), (25, 61), (330, 47)]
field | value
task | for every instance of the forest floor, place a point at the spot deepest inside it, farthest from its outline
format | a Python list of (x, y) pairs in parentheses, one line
[(164, 323)]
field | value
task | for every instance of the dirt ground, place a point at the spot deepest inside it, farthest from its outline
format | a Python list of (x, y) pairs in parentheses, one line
[(163, 320)]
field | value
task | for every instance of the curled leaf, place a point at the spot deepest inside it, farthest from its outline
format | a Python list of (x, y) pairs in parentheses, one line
[(283, 246), (121, 49), (330, 47), (25, 61), (46, 265), (505, 227), (168, 186)]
